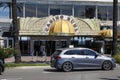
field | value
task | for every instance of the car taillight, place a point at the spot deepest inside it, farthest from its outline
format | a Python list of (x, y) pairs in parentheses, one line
[(58, 57)]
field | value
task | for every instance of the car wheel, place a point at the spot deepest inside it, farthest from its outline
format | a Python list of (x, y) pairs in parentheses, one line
[(67, 66), (107, 65)]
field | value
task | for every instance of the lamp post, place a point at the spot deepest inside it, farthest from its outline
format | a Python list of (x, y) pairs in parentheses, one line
[(115, 18)]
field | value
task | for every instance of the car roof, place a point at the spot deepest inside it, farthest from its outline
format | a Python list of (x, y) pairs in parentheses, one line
[(72, 48)]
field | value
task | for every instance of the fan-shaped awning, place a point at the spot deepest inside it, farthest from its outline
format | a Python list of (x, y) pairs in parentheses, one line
[(61, 27)]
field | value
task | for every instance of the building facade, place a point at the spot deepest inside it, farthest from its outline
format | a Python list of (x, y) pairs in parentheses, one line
[(83, 9)]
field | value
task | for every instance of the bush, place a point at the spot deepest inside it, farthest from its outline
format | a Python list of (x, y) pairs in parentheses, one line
[(117, 58), (6, 52)]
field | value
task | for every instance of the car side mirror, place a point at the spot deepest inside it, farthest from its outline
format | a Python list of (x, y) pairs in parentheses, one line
[(96, 56)]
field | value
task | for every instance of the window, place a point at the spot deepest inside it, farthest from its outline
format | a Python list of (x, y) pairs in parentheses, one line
[(70, 52), (90, 11), (79, 11), (54, 12), (73, 52), (102, 12), (57, 52), (30, 10), (4, 10), (60, 9), (20, 9), (42, 10), (89, 52)]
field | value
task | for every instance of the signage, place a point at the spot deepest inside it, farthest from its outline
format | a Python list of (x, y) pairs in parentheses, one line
[(59, 17)]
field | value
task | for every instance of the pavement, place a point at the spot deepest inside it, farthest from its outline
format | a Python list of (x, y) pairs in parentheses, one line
[(28, 59)]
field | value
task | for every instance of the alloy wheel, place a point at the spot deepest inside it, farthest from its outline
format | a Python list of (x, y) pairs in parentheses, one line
[(67, 66), (107, 65)]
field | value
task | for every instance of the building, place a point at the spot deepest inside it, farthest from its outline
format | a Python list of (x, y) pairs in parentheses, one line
[(45, 13)]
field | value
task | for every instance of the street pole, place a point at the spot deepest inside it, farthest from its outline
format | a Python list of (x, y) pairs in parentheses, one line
[(115, 18), (15, 32)]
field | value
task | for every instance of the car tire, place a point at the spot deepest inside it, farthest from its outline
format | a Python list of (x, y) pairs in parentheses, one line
[(67, 66), (107, 65)]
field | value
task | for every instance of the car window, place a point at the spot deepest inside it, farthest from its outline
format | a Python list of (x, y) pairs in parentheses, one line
[(73, 52), (57, 52), (70, 52), (89, 52)]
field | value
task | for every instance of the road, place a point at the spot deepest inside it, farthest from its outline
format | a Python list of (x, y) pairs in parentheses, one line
[(47, 73)]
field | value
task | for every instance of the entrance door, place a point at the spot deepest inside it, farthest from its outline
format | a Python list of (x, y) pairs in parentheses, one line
[(50, 47), (37, 48)]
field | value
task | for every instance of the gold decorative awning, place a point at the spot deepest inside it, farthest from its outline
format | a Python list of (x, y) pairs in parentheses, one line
[(106, 33), (61, 27)]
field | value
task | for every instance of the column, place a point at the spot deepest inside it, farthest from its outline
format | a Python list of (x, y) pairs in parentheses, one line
[(31, 46)]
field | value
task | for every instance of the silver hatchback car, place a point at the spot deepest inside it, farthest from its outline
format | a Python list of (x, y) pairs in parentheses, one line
[(68, 59)]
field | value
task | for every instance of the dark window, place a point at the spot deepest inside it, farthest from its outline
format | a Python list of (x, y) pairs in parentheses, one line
[(79, 11), (102, 12), (70, 52), (30, 10), (54, 12), (42, 10), (90, 11), (20, 9), (73, 52), (89, 52)]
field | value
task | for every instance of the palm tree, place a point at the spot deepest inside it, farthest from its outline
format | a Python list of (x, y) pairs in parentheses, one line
[(15, 32), (115, 15)]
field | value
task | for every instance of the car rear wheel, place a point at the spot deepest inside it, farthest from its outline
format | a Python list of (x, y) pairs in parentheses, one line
[(67, 66), (107, 65)]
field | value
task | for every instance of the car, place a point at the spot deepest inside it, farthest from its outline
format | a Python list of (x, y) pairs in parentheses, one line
[(1, 67), (68, 59)]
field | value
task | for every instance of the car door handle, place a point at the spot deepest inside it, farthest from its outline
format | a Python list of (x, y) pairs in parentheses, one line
[(73, 57)]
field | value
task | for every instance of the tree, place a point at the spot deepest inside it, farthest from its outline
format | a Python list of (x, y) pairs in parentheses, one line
[(15, 32), (115, 18)]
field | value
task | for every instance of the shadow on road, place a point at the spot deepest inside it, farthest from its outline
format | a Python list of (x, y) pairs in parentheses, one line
[(78, 70)]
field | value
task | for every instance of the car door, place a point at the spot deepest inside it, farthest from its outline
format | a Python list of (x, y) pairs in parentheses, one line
[(72, 56), (91, 59)]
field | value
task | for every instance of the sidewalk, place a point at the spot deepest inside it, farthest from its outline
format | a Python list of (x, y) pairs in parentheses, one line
[(27, 59)]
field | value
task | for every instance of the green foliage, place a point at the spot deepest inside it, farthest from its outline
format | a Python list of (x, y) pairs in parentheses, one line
[(117, 58), (6, 52), (24, 64)]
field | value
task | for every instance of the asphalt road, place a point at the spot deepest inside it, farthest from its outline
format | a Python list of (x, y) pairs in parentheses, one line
[(47, 73)]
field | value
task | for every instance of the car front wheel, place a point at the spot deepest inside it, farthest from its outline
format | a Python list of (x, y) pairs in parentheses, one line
[(67, 66), (107, 65)]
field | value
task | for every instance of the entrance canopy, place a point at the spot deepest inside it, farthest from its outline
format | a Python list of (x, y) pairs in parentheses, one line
[(59, 25)]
